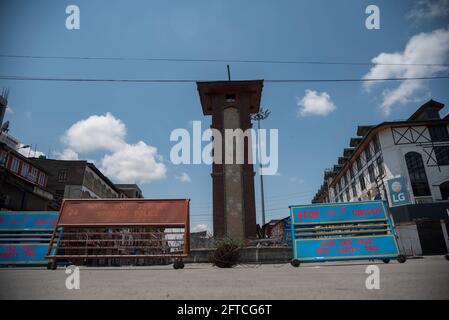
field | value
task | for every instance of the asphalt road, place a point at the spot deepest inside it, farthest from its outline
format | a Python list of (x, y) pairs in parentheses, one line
[(426, 278)]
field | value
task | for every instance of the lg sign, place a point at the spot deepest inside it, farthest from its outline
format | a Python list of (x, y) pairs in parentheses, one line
[(398, 192), (397, 188)]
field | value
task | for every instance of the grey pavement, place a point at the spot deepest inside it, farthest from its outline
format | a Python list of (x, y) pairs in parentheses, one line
[(426, 278)]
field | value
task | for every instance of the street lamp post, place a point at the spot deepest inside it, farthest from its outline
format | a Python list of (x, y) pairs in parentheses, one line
[(261, 115)]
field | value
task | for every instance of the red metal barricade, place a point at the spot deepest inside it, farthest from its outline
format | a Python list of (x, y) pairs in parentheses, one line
[(91, 229)]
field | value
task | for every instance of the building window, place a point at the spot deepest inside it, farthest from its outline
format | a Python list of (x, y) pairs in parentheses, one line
[(438, 133), (41, 180), (62, 176), (15, 165), (376, 144), (444, 189), (380, 166), (33, 174), (59, 194), (230, 97), (372, 176), (354, 190), (362, 182), (24, 170), (347, 194), (351, 172), (359, 164), (417, 173), (345, 179), (442, 155), (368, 153), (2, 158)]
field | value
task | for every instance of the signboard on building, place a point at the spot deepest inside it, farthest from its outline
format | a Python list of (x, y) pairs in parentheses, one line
[(397, 192), (342, 231)]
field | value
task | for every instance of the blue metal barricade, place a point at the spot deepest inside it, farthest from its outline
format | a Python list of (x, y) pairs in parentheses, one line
[(343, 231), (25, 236)]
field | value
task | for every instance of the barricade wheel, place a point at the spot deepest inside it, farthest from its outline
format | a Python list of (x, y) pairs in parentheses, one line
[(176, 265), (401, 258), (181, 265), (295, 263), (447, 257), (386, 260), (51, 265)]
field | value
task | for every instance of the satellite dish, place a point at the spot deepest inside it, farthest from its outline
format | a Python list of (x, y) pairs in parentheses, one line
[(5, 127)]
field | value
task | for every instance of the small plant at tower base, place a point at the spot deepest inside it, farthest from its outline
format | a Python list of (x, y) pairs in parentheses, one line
[(226, 254)]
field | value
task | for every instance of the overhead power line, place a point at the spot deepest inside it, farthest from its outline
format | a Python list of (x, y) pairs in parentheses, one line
[(295, 195), (313, 62), (357, 80), (22, 78)]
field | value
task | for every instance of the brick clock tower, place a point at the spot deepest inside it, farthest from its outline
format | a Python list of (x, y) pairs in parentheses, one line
[(231, 103)]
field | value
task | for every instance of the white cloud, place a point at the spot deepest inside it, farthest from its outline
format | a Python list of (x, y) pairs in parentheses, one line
[(428, 9), (134, 163), (123, 162), (103, 132), (430, 48), (183, 177), (67, 154), (30, 152), (199, 227), (315, 103)]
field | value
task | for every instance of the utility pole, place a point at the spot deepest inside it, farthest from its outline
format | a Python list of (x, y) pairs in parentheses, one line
[(261, 115)]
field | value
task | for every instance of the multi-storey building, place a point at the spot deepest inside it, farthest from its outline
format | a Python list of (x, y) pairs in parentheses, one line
[(416, 149), (23, 185), (78, 179), (130, 190)]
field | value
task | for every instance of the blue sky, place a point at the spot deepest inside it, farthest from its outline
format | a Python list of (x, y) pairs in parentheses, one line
[(42, 112)]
